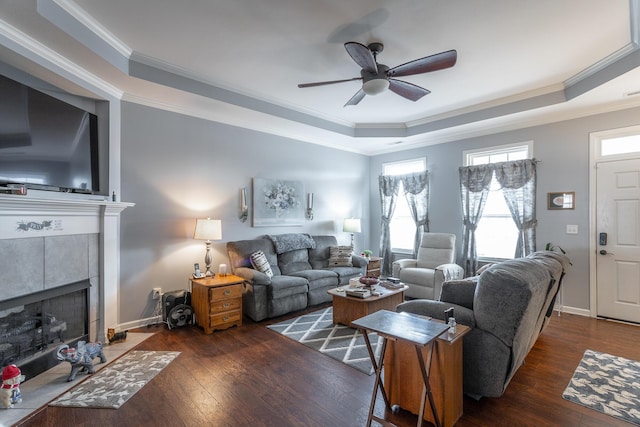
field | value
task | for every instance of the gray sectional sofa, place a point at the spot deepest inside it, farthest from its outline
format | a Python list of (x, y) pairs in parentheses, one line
[(507, 306), (301, 273)]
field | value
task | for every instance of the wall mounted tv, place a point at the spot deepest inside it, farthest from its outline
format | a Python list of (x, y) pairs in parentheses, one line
[(45, 143)]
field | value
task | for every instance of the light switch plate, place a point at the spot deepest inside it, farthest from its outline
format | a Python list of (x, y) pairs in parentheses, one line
[(572, 229)]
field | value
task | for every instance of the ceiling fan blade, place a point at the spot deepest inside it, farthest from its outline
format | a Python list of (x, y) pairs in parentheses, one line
[(327, 82), (407, 90), (435, 62), (356, 98), (362, 55)]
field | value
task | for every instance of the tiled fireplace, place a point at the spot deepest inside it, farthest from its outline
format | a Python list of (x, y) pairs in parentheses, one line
[(59, 264)]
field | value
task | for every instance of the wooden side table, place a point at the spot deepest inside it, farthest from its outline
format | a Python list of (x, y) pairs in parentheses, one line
[(217, 302), (402, 376), (374, 266), (418, 332)]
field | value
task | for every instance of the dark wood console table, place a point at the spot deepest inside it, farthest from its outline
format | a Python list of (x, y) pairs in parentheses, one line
[(417, 331)]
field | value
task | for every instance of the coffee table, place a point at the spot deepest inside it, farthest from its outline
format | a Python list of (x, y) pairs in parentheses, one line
[(346, 309)]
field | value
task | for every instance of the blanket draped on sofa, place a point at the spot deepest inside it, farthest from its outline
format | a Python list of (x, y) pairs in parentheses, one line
[(291, 242)]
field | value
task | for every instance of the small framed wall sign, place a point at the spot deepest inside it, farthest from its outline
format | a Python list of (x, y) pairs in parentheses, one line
[(561, 200)]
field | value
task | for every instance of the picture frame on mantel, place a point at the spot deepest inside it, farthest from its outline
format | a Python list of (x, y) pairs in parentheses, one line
[(561, 200), (278, 202)]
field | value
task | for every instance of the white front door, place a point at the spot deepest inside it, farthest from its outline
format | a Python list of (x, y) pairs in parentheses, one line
[(618, 258)]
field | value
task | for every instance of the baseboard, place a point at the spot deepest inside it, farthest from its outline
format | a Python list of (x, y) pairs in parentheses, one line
[(140, 323), (572, 310)]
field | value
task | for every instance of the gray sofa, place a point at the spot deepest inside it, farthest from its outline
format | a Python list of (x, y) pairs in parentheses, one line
[(507, 307), (301, 273)]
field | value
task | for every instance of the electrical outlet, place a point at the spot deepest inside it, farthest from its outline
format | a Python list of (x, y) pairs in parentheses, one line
[(156, 293)]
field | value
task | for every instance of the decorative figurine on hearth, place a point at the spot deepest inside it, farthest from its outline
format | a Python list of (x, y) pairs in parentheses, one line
[(10, 392), (80, 357)]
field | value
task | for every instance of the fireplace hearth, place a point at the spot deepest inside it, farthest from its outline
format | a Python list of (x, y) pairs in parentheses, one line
[(34, 325)]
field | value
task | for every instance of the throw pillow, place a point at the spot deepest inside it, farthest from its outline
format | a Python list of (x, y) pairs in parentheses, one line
[(259, 262), (459, 292), (340, 256)]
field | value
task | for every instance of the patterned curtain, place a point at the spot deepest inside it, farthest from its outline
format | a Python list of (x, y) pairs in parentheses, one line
[(518, 181), (388, 196), (416, 191), (474, 190)]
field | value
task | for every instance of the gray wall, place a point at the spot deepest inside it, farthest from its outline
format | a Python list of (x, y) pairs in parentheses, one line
[(178, 168), (563, 151)]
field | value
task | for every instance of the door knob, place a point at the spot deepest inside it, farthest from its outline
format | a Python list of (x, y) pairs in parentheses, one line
[(604, 252)]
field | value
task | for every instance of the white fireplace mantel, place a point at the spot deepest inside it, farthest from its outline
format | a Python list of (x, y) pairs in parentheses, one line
[(43, 216)]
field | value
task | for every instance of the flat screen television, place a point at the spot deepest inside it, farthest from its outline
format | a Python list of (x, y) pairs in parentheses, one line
[(46, 143)]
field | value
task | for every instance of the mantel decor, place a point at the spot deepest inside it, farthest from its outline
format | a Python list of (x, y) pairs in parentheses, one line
[(278, 202)]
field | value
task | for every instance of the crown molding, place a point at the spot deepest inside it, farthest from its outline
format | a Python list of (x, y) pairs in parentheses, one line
[(69, 17), (478, 129), (94, 26), (35, 51)]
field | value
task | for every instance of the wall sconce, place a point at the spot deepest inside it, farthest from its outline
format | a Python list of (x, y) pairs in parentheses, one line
[(208, 230), (351, 225), (244, 209), (309, 214)]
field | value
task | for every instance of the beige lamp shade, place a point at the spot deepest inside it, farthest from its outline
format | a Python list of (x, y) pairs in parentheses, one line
[(351, 225), (208, 229)]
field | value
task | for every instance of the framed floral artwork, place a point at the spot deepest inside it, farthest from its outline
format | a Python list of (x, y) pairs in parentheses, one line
[(277, 202)]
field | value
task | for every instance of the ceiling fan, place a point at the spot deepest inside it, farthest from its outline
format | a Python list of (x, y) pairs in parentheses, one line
[(376, 78)]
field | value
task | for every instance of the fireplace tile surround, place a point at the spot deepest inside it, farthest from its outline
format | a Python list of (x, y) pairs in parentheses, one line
[(51, 241), (37, 263), (32, 270)]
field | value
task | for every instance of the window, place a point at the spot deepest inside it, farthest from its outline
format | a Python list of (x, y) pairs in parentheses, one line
[(615, 144), (497, 234), (402, 228), (627, 144)]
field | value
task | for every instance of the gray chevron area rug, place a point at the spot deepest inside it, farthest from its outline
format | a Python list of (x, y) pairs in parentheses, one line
[(317, 331), (608, 384), (113, 385)]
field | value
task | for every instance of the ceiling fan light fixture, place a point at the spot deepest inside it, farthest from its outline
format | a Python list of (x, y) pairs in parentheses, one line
[(375, 86)]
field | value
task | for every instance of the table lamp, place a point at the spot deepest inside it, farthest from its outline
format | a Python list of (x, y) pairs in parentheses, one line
[(351, 225), (208, 230)]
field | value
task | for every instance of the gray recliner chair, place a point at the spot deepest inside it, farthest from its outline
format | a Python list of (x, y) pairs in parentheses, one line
[(435, 264)]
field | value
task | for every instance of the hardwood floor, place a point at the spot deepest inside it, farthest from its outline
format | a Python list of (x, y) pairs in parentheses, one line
[(252, 376)]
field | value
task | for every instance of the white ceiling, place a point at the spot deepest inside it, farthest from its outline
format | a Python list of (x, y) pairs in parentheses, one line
[(239, 62)]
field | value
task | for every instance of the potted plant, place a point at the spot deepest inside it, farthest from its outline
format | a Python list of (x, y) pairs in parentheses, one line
[(551, 247), (367, 253)]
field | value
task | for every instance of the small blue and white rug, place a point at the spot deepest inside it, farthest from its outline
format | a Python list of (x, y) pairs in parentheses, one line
[(608, 384), (317, 331)]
